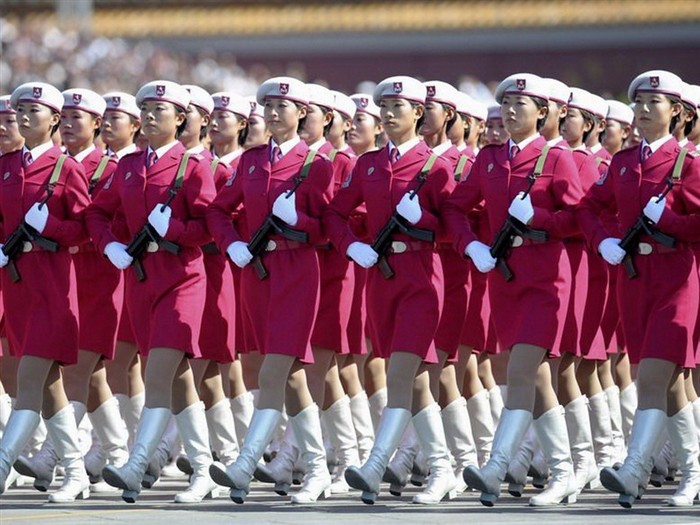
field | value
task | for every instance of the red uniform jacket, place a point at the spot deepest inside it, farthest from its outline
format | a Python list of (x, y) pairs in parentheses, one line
[(166, 308), (531, 308), (658, 308), (41, 310), (403, 311), (281, 309)]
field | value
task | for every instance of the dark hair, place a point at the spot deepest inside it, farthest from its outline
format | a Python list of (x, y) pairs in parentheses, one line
[(677, 118), (243, 135), (327, 127), (688, 128), (465, 118), (561, 119), (96, 133), (592, 119), (55, 128), (302, 120), (541, 103), (420, 121), (452, 121), (181, 128), (204, 130)]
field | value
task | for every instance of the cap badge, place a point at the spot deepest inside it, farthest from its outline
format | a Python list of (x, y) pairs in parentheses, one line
[(160, 90), (284, 88), (37, 91), (654, 82), (225, 100), (364, 102), (398, 87), (520, 83), (116, 101), (77, 98), (431, 91)]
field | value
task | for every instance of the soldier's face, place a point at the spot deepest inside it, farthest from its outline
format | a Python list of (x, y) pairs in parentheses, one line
[(35, 121), (653, 113), (10, 138), (225, 126), (117, 127), (436, 118), (399, 117), (574, 127), (520, 115), (363, 132), (78, 128), (160, 120), (282, 116)]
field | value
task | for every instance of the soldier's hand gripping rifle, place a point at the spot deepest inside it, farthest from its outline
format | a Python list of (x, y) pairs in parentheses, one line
[(397, 224), (512, 227), (257, 245), (14, 245)]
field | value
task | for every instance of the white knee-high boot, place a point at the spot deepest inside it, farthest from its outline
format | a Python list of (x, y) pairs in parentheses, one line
[(192, 424), (601, 430), (398, 471), (222, 432), (578, 424), (368, 477), (280, 470), (496, 396), (460, 441), (41, 466), (63, 429), (552, 434), (628, 408), (129, 476), (238, 475), (362, 422), (377, 403), (442, 483), (111, 431), (612, 395), (337, 420), (317, 482), (242, 407), (482, 423), (18, 429), (647, 427), (684, 437), (510, 431), (167, 446)]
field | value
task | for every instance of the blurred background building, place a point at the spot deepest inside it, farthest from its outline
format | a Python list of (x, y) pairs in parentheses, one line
[(234, 44)]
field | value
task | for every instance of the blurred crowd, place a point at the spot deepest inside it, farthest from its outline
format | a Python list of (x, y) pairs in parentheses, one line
[(31, 51)]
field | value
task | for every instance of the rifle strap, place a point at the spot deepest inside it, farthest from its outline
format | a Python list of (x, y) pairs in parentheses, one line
[(100, 170), (459, 170), (678, 166), (215, 164), (332, 154), (307, 164), (428, 165), (180, 176), (56, 173), (539, 166)]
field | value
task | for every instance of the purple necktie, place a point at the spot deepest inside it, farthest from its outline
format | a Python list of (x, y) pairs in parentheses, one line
[(394, 155), (514, 150), (152, 158), (27, 159), (276, 155), (646, 152)]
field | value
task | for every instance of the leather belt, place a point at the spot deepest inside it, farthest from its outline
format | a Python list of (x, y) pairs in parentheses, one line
[(210, 249), (283, 244), (409, 246), (31, 247), (83, 248), (519, 241), (647, 248)]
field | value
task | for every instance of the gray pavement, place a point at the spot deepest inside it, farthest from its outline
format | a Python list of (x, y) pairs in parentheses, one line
[(27, 506)]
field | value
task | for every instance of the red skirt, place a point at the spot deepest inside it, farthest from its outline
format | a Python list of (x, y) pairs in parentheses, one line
[(477, 319), (166, 308), (335, 304), (455, 270), (593, 344), (578, 263), (100, 301), (281, 309), (405, 309), (532, 307), (41, 310), (659, 307), (357, 341), (217, 337)]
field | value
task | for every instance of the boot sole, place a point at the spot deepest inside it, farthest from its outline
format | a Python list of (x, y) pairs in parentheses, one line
[(281, 487), (396, 483), (221, 478)]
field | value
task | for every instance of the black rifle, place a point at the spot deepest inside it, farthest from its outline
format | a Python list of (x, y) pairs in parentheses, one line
[(24, 233), (148, 234), (397, 224), (271, 225), (511, 228), (630, 242)]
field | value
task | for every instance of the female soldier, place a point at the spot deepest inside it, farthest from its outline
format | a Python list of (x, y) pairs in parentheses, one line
[(120, 125), (100, 299), (229, 128), (166, 287), (657, 314), (343, 114), (280, 291), (39, 286), (495, 132), (382, 180), (528, 310)]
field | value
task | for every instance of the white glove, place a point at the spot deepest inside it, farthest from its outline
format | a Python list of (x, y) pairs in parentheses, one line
[(4, 259), (481, 255), (610, 250), (160, 220), (239, 253), (654, 210), (409, 208), (286, 208), (116, 253), (363, 254), (37, 217), (521, 208)]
